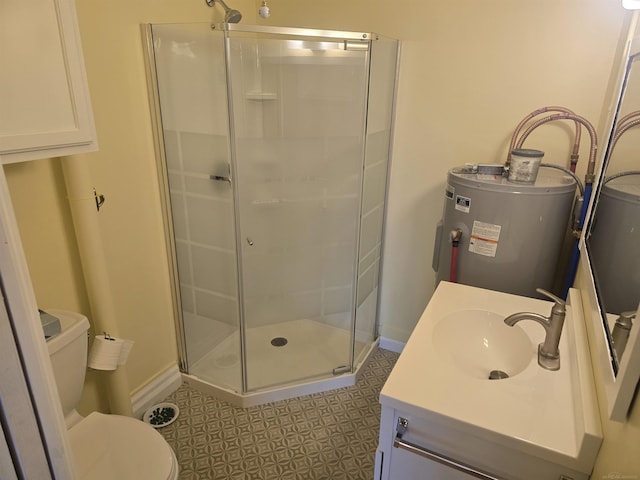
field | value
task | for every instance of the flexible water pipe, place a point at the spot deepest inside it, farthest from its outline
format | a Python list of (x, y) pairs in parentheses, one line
[(82, 202), (568, 172), (579, 202), (588, 184), (625, 123), (593, 150), (456, 236), (576, 144), (627, 117), (628, 121), (621, 174)]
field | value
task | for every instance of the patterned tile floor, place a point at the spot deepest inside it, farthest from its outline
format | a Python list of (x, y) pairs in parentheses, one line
[(325, 436)]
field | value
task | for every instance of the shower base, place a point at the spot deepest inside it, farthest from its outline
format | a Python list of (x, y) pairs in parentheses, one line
[(277, 371)]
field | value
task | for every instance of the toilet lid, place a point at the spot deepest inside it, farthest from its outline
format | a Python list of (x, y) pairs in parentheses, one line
[(105, 447)]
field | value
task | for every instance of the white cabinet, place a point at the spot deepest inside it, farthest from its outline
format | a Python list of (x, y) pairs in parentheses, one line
[(458, 424), (430, 448), (45, 109), (415, 449)]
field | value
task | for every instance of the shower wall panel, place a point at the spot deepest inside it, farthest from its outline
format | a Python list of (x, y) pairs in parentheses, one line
[(382, 79), (298, 121), (192, 90)]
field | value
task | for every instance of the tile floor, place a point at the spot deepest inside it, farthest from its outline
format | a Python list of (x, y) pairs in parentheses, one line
[(325, 436)]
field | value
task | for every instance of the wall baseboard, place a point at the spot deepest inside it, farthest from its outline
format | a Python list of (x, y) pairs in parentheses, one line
[(156, 390), (390, 344)]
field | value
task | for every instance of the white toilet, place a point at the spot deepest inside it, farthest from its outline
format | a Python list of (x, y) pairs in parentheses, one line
[(104, 447)]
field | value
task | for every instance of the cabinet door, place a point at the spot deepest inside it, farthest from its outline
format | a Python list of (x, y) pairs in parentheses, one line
[(45, 110), (417, 448)]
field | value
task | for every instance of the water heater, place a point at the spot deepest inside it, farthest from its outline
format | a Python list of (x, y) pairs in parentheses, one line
[(512, 233), (614, 241)]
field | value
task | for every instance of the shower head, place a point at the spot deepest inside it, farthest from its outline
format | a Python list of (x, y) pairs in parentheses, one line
[(230, 15)]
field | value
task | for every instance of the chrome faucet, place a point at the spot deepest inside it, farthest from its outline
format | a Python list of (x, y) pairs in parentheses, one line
[(548, 353)]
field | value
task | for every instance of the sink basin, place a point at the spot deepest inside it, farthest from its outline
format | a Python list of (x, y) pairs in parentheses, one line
[(480, 345)]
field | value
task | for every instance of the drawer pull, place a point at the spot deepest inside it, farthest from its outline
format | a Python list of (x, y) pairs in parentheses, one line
[(401, 428)]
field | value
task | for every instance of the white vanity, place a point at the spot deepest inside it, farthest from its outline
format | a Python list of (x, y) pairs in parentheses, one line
[(444, 419)]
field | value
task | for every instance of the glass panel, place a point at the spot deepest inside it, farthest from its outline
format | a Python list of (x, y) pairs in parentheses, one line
[(192, 87), (298, 120), (379, 114)]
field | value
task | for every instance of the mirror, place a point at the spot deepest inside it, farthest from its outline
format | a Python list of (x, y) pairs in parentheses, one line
[(611, 238), (614, 231)]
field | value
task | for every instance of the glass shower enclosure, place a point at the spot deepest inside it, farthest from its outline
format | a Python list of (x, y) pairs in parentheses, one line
[(273, 156)]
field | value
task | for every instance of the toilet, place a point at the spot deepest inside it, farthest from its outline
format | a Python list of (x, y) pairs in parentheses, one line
[(104, 447)]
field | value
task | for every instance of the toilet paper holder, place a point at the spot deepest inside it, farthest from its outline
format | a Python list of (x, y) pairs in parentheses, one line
[(108, 353)]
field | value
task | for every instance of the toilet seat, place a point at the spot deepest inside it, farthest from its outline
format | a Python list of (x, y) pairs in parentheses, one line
[(107, 447)]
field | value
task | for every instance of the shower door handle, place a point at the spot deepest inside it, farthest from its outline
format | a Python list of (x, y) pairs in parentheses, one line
[(222, 178)]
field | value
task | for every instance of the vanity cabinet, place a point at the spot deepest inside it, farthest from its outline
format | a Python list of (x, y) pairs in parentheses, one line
[(45, 108), (444, 418), (456, 453), (403, 463)]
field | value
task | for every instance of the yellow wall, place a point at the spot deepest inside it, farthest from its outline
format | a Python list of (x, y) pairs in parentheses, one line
[(469, 72)]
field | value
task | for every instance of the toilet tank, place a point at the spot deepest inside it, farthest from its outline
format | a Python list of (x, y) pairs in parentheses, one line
[(68, 353)]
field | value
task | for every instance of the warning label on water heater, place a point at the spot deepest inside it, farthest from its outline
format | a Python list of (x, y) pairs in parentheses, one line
[(484, 238)]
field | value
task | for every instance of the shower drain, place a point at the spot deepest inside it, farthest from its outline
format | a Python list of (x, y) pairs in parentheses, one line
[(279, 341)]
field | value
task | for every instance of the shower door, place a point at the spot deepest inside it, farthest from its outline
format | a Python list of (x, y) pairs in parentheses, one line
[(298, 110)]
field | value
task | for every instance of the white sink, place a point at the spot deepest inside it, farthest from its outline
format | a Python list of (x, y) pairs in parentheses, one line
[(536, 418), (478, 342)]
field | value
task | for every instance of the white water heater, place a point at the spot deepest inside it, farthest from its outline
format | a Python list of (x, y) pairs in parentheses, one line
[(512, 233), (613, 244)]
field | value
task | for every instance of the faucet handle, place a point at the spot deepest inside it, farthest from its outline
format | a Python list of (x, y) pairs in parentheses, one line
[(559, 302), (625, 319)]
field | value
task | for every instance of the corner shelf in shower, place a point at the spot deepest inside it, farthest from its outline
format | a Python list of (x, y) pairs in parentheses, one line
[(261, 96)]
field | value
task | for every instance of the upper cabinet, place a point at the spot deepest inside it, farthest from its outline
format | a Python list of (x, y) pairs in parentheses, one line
[(45, 109)]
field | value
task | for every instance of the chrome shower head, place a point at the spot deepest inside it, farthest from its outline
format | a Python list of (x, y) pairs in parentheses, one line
[(230, 15)]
